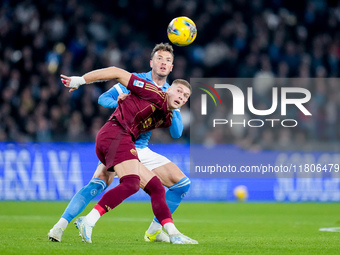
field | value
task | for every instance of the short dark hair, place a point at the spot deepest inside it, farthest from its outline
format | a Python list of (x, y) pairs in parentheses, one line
[(163, 46), (183, 82)]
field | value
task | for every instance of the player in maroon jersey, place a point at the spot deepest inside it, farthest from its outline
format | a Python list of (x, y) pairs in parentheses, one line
[(147, 107)]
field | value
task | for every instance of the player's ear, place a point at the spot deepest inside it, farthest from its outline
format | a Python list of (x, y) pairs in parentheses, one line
[(151, 63)]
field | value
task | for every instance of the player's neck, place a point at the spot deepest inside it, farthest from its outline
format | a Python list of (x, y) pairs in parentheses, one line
[(160, 81)]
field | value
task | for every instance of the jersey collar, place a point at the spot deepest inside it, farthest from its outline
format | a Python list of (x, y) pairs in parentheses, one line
[(148, 76)]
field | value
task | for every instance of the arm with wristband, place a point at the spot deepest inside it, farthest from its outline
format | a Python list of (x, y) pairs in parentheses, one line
[(98, 75)]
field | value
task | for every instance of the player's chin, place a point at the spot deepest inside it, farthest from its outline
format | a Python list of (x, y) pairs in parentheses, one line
[(177, 106), (164, 73)]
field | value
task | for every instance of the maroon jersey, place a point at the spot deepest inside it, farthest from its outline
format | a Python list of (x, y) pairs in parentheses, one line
[(144, 109)]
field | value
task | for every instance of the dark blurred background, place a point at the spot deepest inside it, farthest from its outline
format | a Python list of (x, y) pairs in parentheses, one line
[(41, 39)]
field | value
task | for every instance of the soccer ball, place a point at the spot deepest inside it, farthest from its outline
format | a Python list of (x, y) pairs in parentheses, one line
[(182, 31), (241, 193)]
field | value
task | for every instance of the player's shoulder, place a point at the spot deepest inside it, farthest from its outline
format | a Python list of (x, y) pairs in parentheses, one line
[(142, 75), (138, 82), (166, 85), (146, 77)]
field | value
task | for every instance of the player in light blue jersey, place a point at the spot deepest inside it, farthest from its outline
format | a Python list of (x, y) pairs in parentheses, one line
[(171, 176)]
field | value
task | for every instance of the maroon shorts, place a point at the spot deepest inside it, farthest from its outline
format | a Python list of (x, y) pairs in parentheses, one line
[(114, 145)]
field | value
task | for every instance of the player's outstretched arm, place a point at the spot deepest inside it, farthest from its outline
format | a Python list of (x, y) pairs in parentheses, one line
[(176, 127), (104, 74), (110, 98)]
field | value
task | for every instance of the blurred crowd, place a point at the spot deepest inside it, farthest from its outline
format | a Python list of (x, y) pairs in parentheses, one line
[(39, 40)]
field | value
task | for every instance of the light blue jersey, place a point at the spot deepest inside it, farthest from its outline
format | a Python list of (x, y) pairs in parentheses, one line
[(109, 100)]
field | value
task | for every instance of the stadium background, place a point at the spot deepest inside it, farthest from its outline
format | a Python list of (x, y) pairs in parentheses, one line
[(238, 38)]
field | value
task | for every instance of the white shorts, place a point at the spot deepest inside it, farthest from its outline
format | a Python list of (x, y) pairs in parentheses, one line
[(151, 159)]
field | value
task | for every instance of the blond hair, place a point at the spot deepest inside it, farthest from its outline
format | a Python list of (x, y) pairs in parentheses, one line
[(183, 82)]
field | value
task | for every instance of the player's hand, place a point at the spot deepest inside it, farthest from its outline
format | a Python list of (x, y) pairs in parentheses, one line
[(72, 82), (122, 96)]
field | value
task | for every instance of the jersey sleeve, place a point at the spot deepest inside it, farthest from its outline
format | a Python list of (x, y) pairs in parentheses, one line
[(109, 98), (176, 127), (146, 91)]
